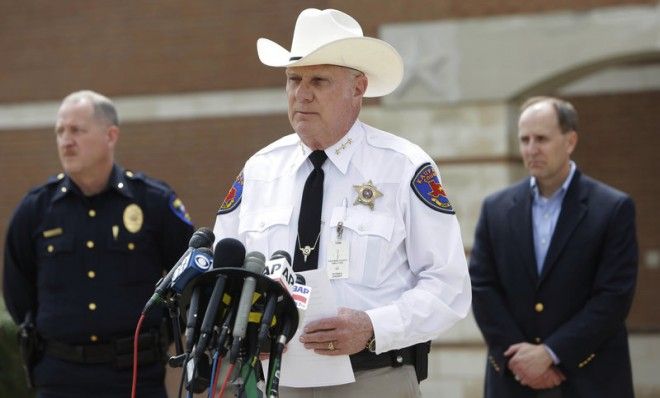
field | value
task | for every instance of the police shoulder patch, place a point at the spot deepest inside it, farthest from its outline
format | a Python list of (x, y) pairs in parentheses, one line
[(233, 198), (179, 209), (426, 185)]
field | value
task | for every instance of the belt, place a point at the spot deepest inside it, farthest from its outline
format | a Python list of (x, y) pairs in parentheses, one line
[(119, 352), (367, 360)]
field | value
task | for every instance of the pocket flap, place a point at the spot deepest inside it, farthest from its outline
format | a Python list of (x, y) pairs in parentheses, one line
[(258, 221)]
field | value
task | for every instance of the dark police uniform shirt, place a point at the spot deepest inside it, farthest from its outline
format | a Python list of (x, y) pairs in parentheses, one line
[(87, 265)]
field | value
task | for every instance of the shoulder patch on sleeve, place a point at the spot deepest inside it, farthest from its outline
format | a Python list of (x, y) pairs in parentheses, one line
[(179, 209), (426, 185), (233, 198)]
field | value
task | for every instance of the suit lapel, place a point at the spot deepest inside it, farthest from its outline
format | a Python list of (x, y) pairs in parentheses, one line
[(573, 209), (520, 217)]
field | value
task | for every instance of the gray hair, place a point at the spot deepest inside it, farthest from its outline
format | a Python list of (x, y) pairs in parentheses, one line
[(104, 109), (567, 116)]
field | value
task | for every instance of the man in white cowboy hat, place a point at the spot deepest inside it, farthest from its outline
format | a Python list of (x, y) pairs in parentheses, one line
[(363, 207)]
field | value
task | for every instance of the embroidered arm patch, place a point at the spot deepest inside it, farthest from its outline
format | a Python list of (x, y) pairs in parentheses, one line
[(233, 198), (179, 209), (426, 185)]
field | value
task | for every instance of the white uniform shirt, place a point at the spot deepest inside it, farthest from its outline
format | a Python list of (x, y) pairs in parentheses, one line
[(407, 266)]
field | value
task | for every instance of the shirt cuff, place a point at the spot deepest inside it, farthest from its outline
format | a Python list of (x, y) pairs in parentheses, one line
[(554, 357)]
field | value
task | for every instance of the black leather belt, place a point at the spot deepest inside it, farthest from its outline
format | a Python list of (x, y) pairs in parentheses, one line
[(119, 352), (367, 360)]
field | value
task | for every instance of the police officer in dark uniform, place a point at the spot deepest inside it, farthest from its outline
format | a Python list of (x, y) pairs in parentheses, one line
[(82, 255)]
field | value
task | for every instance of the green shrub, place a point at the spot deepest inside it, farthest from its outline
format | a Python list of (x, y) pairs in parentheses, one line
[(12, 378)]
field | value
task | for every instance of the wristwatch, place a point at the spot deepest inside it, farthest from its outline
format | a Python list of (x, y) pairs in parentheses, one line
[(371, 343)]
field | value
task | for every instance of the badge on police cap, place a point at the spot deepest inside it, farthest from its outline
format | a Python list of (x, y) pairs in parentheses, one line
[(133, 218), (233, 198), (367, 194), (428, 189)]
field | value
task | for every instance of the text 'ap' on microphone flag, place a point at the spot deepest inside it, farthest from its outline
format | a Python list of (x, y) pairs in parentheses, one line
[(202, 238)]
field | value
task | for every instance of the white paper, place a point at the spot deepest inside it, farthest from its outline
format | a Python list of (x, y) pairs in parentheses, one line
[(302, 367)]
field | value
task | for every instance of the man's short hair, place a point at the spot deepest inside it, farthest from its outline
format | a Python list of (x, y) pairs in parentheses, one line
[(567, 116), (104, 108)]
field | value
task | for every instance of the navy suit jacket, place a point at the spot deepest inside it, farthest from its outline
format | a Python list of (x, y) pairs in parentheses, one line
[(577, 306)]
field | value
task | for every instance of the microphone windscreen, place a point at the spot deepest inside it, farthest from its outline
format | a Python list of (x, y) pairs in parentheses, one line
[(203, 237), (229, 252), (281, 254), (256, 255)]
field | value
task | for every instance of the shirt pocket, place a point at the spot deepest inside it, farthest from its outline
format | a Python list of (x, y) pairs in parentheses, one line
[(369, 234), (56, 261), (266, 230), (134, 258)]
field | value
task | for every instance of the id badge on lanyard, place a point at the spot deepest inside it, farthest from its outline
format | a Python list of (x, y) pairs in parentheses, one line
[(338, 250)]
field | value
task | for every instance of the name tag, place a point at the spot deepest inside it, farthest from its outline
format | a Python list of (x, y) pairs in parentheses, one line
[(53, 232), (337, 259)]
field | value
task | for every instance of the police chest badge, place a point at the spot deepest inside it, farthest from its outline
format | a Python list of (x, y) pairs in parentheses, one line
[(367, 194), (426, 186), (233, 198), (133, 218)]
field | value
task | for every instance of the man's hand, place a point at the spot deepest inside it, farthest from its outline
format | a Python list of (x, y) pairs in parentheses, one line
[(548, 379), (528, 361), (344, 334)]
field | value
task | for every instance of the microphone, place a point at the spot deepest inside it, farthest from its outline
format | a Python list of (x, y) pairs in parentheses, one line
[(228, 253), (279, 269), (254, 263), (203, 237)]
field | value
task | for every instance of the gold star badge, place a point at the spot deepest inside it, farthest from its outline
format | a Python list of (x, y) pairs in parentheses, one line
[(367, 194)]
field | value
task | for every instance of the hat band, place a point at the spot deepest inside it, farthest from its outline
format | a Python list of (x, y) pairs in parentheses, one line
[(294, 58)]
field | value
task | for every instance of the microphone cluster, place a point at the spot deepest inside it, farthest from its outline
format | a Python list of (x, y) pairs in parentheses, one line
[(235, 306)]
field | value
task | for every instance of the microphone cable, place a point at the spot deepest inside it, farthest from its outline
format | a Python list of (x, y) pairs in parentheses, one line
[(135, 354)]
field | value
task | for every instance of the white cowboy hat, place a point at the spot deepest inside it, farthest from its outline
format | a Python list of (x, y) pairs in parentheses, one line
[(335, 38)]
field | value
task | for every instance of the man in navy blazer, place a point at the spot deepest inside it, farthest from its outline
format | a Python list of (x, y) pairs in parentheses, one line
[(553, 271)]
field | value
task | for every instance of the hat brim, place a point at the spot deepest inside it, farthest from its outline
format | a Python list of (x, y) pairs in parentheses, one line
[(378, 60)]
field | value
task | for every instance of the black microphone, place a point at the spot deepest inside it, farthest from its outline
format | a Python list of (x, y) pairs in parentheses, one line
[(271, 302), (255, 263), (203, 237), (228, 253)]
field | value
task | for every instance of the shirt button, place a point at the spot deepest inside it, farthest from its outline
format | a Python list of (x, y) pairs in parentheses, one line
[(399, 359), (50, 248), (131, 246), (361, 227), (93, 338), (262, 224), (92, 213), (538, 307), (91, 274), (60, 176), (90, 244), (543, 241), (91, 306), (63, 189), (120, 185)]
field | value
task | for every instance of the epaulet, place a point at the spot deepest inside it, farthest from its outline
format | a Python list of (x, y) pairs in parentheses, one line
[(284, 142), (383, 139), (145, 179)]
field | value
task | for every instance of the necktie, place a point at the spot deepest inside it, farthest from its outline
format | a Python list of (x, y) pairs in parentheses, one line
[(309, 220)]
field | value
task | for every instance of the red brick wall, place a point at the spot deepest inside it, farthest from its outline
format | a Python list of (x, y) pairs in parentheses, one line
[(619, 144), (124, 48)]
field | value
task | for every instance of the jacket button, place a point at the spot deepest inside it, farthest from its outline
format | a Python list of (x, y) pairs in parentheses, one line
[(91, 306), (537, 340), (50, 248), (90, 244), (91, 274), (93, 338), (538, 307), (92, 213)]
